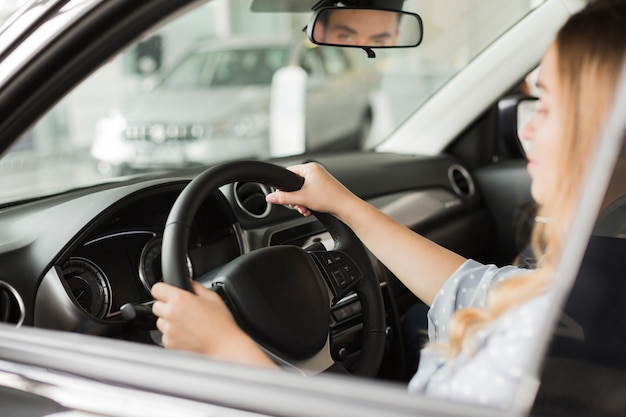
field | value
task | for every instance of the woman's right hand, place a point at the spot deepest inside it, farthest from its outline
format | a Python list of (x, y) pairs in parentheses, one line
[(420, 264), (321, 192)]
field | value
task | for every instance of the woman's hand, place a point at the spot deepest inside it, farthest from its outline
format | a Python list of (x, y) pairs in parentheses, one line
[(200, 322), (420, 264), (320, 192)]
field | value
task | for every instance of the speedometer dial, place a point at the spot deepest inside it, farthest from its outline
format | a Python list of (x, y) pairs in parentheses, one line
[(150, 271), (89, 286)]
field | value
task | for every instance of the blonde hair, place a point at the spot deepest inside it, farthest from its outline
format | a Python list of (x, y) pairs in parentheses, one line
[(590, 49)]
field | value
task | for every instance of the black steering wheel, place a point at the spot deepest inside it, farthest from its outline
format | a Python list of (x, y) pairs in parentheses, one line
[(280, 294)]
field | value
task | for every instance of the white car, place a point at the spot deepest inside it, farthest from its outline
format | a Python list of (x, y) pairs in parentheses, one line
[(236, 98)]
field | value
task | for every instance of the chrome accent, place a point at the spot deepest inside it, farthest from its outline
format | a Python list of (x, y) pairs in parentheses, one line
[(103, 285), (148, 279), (17, 299), (91, 397), (314, 365), (262, 189), (242, 242), (118, 234), (463, 185)]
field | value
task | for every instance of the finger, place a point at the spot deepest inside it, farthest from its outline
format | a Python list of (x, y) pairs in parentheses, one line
[(160, 291), (303, 210), (299, 169), (159, 309), (199, 289), (166, 340), (279, 197), (166, 292), (286, 199), (291, 199), (305, 169), (162, 325)]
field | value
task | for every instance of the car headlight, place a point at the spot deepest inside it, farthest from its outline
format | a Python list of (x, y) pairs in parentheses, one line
[(157, 133), (111, 126)]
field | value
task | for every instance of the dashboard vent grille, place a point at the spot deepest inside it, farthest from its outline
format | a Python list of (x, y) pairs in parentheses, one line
[(250, 197), (461, 181), (11, 305)]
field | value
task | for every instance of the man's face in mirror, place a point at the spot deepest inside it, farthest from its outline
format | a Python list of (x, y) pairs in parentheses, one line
[(358, 27)]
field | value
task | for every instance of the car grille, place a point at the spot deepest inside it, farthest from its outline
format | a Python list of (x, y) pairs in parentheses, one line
[(160, 132)]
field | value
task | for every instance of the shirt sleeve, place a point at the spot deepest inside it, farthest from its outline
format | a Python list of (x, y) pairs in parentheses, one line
[(495, 375), (467, 287)]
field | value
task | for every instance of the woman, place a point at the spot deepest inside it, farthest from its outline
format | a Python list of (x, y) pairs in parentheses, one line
[(482, 319)]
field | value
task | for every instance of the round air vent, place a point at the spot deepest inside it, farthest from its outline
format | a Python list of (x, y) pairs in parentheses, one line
[(250, 197), (461, 181), (11, 305)]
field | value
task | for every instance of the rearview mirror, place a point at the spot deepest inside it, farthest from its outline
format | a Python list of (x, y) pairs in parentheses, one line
[(365, 28)]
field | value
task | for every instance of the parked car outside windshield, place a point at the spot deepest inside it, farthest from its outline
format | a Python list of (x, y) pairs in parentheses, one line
[(232, 80)]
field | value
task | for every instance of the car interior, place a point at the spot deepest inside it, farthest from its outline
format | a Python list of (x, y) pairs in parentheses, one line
[(80, 256)]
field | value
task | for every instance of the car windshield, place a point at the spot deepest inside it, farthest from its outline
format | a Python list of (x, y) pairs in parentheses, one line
[(222, 82)]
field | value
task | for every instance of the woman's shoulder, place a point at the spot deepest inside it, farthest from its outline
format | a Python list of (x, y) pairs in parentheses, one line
[(469, 284), (493, 373)]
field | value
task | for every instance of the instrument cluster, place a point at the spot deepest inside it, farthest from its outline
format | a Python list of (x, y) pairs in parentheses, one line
[(120, 260)]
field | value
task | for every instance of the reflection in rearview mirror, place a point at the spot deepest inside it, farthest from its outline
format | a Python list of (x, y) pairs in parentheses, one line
[(365, 28)]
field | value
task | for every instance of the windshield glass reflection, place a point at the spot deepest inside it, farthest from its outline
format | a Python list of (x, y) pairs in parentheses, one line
[(247, 85)]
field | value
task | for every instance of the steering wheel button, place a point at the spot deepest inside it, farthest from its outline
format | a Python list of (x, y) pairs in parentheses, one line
[(336, 257), (355, 308), (327, 259), (342, 313), (338, 277), (351, 272)]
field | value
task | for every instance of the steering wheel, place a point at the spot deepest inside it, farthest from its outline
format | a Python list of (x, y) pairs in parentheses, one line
[(280, 294)]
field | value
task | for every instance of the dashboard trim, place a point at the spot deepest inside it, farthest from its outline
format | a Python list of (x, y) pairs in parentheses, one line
[(18, 299)]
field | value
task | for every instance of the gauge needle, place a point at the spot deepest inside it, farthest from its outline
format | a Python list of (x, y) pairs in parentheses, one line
[(80, 294)]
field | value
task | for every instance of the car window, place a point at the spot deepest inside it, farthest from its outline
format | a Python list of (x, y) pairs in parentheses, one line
[(162, 103), (590, 335)]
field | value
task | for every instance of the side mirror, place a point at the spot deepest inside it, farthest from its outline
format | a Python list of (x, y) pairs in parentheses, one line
[(513, 113), (365, 28)]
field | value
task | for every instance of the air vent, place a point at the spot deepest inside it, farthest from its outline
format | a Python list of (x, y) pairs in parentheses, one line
[(461, 181), (250, 197), (11, 305)]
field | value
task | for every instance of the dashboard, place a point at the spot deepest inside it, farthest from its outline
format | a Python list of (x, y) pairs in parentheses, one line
[(116, 259), (73, 260)]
